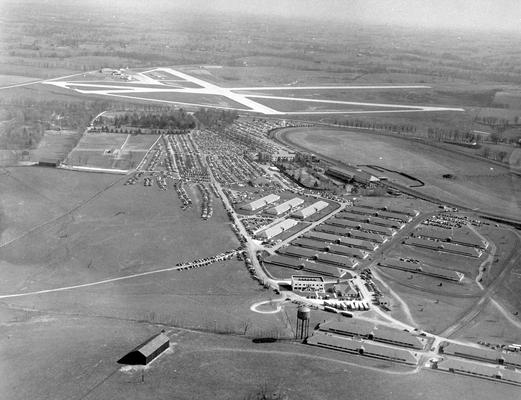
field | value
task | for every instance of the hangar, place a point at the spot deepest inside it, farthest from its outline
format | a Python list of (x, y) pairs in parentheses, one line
[(147, 351)]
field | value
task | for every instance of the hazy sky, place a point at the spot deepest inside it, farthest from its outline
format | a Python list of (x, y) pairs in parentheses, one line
[(478, 14)]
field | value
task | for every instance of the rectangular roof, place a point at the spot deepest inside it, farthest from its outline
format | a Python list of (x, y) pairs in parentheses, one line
[(337, 248), (336, 259), (463, 236), (298, 251), (277, 229), (314, 244), (471, 352), (372, 237), (443, 246), (327, 237), (287, 205), (469, 367), (311, 209), (360, 225), (420, 268), (380, 332), (151, 345), (271, 198), (354, 346), (297, 263)]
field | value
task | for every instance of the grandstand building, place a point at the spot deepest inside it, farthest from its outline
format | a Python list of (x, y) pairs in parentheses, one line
[(351, 175), (310, 210), (286, 206), (262, 202)]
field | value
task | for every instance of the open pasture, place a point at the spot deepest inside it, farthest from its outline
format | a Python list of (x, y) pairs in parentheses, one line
[(110, 150), (478, 184), (55, 145), (124, 230)]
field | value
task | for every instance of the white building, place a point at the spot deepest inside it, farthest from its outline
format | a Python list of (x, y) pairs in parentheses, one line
[(310, 210), (305, 283), (286, 206), (259, 203), (277, 229)]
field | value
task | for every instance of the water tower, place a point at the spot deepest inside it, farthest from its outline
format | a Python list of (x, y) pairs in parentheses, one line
[(303, 314)]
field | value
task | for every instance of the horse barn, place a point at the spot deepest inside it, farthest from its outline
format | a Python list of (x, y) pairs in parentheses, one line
[(262, 202), (286, 206), (147, 351), (366, 349), (302, 265), (388, 223), (481, 354), (277, 229), (346, 241), (378, 333), (310, 210), (328, 258), (378, 213), (444, 247), (352, 233), (456, 236), (363, 226), (422, 269), (390, 208)]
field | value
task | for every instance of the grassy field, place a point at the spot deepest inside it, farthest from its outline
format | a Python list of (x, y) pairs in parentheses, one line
[(110, 150), (478, 184), (230, 367), (55, 145)]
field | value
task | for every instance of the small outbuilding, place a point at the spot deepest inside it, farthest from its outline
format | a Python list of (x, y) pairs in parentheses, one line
[(147, 351)]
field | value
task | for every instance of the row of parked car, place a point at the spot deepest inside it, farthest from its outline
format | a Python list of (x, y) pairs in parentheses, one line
[(183, 196), (200, 262), (207, 203)]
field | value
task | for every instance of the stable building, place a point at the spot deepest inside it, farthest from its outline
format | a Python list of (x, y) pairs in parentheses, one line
[(352, 233), (285, 207), (460, 236), (310, 210), (444, 247), (277, 229), (366, 349), (422, 269), (262, 202), (369, 331), (363, 226)]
